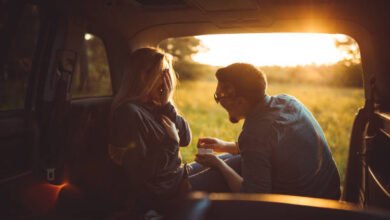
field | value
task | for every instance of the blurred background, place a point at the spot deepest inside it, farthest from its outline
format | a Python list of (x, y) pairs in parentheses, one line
[(322, 70)]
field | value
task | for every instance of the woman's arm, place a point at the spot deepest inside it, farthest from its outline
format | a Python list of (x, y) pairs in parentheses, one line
[(233, 179), (184, 131)]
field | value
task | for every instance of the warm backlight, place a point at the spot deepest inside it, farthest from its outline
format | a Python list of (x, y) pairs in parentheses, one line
[(270, 49)]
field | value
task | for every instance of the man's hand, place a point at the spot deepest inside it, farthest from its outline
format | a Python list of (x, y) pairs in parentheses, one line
[(218, 145), (209, 160)]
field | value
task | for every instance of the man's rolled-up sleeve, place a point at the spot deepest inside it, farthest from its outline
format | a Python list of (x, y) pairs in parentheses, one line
[(256, 153)]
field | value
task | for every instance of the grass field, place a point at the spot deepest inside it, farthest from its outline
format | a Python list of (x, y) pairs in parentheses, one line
[(334, 109)]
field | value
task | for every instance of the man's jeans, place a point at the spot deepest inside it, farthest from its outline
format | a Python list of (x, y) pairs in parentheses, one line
[(211, 179)]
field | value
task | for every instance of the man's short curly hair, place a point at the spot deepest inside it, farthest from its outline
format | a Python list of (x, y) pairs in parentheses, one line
[(247, 80)]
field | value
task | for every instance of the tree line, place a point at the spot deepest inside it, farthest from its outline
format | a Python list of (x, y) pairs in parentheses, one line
[(345, 73)]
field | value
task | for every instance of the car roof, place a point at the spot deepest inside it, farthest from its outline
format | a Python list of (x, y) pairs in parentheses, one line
[(147, 22)]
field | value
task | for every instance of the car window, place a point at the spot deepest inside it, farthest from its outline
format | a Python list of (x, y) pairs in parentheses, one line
[(19, 37), (92, 77)]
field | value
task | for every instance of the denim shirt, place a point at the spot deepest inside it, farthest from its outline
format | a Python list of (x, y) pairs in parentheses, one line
[(284, 151)]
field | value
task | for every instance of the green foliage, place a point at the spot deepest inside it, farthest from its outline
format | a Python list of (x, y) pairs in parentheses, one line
[(341, 74), (350, 48), (347, 72), (189, 70), (334, 108), (92, 77), (181, 48)]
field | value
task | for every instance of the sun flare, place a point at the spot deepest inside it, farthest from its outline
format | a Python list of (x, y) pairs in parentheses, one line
[(270, 49)]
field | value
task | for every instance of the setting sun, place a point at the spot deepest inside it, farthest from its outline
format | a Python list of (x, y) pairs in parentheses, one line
[(270, 49)]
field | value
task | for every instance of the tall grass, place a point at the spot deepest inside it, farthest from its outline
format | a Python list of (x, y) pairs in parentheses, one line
[(334, 108)]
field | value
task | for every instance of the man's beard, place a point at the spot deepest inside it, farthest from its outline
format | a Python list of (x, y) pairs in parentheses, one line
[(233, 120)]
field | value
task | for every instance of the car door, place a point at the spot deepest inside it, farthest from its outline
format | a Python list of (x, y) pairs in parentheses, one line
[(20, 25), (36, 56), (19, 39)]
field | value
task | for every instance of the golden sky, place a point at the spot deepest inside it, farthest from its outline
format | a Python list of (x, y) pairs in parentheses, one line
[(270, 49)]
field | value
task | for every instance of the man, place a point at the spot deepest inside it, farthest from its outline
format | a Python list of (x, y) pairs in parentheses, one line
[(283, 148)]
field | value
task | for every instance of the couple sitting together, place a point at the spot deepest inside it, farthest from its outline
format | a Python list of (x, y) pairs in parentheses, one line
[(281, 148)]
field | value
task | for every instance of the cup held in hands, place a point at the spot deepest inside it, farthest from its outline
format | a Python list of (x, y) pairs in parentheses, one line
[(205, 151)]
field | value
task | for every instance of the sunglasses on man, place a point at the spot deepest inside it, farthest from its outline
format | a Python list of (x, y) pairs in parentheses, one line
[(219, 97)]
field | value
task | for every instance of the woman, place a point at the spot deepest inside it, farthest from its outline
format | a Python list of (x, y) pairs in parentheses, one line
[(146, 131)]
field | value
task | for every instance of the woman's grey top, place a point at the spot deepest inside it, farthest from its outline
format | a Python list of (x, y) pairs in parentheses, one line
[(151, 160)]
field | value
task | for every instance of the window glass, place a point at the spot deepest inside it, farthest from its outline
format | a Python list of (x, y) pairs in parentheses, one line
[(92, 77), (18, 42)]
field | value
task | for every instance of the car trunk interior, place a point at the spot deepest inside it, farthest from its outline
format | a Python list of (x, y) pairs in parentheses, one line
[(70, 135)]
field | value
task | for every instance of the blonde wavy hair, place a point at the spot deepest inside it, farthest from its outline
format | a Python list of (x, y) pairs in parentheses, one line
[(141, 73)]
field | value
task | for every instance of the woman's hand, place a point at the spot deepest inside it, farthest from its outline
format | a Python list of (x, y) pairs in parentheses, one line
[(162, 94), (167, 87), (209, 160), (218, 145), (170, 127)]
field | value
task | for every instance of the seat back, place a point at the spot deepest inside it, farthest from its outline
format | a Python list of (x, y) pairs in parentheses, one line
[(96, 184)]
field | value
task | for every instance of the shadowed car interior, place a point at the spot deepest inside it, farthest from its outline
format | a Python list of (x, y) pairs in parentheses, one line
[(54, 130)]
